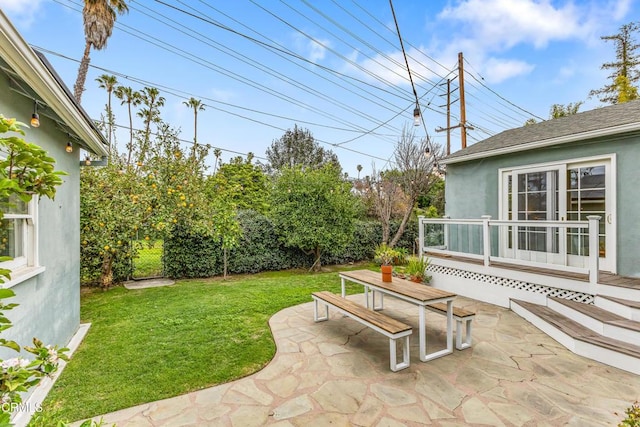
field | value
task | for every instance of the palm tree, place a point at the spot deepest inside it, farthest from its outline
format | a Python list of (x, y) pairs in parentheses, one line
[(99, 16), (150, 97), (359, 168), (109, 83), (197, 105), (131, 98), (217, 153)]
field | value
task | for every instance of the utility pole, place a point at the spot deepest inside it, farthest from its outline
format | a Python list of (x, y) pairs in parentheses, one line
[(463, 115)]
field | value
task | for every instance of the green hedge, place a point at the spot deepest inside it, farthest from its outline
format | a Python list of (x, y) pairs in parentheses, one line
[(187, 255)]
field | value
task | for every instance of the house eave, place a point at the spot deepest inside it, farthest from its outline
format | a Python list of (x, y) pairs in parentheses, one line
[(23, 60), (582, 136)]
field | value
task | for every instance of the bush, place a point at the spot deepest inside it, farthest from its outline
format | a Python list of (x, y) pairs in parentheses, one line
[(633, 416), (188, 255), (259, 248)]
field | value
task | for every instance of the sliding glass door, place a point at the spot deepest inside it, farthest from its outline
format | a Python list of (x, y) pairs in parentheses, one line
[(559, 192)]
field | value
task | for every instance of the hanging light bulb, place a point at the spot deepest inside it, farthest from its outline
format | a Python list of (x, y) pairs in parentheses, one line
[(69, 148), (416, 116), (35, 118)]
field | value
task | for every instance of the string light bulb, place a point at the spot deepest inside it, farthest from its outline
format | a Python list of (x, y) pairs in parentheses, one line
[(416, 116), (35, 118), (69, 147)]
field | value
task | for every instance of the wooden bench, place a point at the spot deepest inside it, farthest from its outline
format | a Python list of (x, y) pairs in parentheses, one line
[(379, 322), (459, 315)]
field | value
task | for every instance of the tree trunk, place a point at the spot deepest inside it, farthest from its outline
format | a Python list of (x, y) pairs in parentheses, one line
[(78, 88), (130, 136), (106, 274), (403, 224), (224, 256), (316, 264), (110, 119)]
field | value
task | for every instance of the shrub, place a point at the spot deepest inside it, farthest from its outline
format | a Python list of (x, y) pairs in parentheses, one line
[(188, 255), (260, 249), (633, 417)]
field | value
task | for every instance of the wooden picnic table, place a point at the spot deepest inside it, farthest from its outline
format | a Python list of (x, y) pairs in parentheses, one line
[(411, 292)]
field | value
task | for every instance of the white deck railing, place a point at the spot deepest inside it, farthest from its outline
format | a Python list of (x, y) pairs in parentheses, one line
[(568, 246)]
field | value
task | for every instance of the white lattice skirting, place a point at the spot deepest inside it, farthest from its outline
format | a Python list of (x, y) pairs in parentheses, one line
[(519, 285)]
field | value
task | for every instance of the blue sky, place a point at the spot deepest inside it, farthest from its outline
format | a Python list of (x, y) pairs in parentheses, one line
[(335, 67)]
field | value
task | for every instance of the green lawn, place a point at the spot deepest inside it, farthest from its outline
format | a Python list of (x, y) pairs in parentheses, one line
[(155, 343)]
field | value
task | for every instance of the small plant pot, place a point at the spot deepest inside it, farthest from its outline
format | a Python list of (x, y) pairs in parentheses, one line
[(386, 272)]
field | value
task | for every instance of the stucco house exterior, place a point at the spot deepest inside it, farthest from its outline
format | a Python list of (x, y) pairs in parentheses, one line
[(44, 239), (544, 214)]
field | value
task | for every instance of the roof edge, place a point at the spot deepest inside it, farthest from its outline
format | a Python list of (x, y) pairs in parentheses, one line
[(23, 60), (629, 127)]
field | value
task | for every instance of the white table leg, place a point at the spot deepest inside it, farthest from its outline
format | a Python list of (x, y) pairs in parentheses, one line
[(344, 290), (423, 333), (450, 326)]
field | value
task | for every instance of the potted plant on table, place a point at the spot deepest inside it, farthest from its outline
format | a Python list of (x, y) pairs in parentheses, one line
[(386, 255), (417, 269)]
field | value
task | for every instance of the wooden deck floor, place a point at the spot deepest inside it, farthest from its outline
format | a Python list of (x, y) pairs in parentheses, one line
[(605, 277)]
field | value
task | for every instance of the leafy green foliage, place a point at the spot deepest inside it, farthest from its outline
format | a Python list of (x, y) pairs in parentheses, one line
[(189, 255), (260, 249), (298, 148), (313, 210), (25, 169), (626, 65), (633, 416), (243, 183)]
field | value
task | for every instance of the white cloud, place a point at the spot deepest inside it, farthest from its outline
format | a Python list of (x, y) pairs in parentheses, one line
[(497, 70), (501, 24), (620, 9), (317, 49), (313, 50), (222, 95), (21, 12)]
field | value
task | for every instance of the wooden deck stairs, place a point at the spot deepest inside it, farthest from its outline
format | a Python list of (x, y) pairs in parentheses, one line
[(607, 331)]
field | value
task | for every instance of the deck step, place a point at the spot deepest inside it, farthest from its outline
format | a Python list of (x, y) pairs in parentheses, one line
[(629, 309), (598, 319), (580, 339)]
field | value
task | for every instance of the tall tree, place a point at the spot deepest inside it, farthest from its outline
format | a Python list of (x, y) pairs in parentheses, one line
[(98, 16), (216, 153), (625, 65), (560, 110), (416, 172), (132, 99), (150, 97), (626, 92), (196, 105), (297, 147), (108, 82), (359, 169), (244, 183), (314, 209)]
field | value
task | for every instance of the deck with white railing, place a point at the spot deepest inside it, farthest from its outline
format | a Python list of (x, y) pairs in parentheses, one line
[(534, 245)]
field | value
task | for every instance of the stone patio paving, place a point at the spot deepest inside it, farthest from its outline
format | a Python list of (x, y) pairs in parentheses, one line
[(337, 373)]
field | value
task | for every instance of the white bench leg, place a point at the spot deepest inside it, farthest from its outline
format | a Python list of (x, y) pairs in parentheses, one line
[(316, 318), (393, 363), (467, 343), (373, 301)]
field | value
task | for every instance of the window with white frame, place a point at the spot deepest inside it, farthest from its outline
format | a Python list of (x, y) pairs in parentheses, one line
[(18, 234)]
